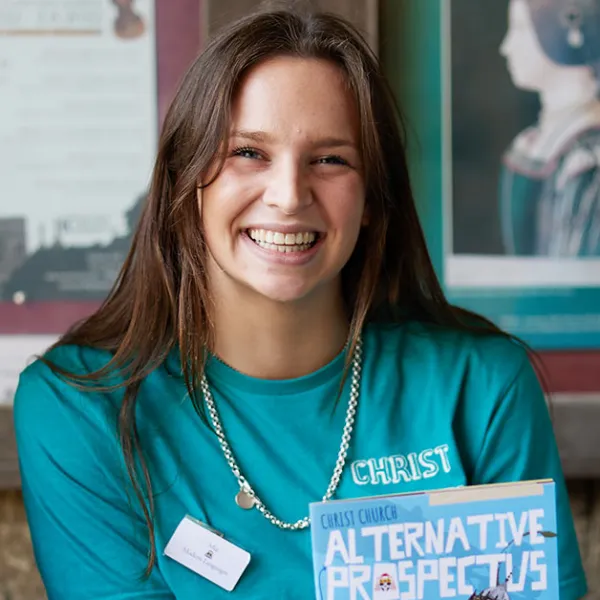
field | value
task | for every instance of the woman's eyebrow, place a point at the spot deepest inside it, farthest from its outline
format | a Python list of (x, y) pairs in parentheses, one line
[(265, 137)]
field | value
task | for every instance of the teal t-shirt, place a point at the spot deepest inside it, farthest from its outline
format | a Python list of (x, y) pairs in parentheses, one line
[(451, 408)]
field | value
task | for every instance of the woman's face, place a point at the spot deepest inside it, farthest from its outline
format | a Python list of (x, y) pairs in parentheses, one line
[(284, 214), (528, 65)]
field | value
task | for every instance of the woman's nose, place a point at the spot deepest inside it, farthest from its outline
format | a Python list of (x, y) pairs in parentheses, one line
[(288, 188)]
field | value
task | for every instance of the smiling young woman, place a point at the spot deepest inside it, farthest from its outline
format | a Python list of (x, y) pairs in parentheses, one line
[(290, 173), (277, 336)]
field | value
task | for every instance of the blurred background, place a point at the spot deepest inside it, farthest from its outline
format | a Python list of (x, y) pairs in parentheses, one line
[(83, 90)]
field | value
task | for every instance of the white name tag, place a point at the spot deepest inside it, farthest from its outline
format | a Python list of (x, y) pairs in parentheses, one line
[(207, 553)]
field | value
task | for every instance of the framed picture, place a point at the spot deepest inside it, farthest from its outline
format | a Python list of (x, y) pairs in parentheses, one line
[(84, 88), (522, 156), (503, 111)]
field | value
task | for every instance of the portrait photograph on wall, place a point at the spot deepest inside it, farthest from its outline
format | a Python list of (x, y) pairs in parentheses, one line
[(522, 167)]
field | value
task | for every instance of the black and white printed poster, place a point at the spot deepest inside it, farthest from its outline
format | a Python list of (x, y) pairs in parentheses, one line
[(78, 130)]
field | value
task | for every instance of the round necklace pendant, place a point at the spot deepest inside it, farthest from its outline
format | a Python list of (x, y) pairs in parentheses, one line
[(244, 500)]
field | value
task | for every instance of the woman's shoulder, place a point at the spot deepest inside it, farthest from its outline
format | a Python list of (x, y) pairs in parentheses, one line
[(74, 423), (446, 337), (580, 158), (59, 367), (424, 346), (79, 360), (65, 433), (48, 390)]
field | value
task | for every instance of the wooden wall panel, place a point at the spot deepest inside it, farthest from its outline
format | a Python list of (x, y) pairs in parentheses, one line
[(361, 13), (9, 469), (180, 34)]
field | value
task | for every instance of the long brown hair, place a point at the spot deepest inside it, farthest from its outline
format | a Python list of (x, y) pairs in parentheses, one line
[(161, 302)]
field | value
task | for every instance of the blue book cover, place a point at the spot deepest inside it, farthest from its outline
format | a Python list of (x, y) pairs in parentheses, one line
[(488, 542)]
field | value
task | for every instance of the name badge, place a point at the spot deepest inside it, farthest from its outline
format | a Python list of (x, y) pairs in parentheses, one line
[(206, 552)]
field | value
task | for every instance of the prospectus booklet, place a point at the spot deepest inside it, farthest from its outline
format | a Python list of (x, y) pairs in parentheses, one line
[(488, 542)]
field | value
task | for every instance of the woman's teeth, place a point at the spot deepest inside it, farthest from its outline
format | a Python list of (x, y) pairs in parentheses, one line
[(283, 242)]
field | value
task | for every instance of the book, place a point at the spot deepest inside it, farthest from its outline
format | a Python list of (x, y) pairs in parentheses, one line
[(485, 542)]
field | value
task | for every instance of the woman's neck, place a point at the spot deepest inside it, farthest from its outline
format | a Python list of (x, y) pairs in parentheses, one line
[(576, 88), (569, 106), (272, 340)]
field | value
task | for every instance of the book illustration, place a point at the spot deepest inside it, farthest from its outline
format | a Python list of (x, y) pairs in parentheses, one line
[(500, 591), (496, 593), (487, 543), (385, 583)]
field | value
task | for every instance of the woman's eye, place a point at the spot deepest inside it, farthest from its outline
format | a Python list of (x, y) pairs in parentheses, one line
[(246, 152), (331, 160)]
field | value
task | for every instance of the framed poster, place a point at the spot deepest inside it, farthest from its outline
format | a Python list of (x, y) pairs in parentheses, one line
[(84, 87), (521, 198), (511, 212)]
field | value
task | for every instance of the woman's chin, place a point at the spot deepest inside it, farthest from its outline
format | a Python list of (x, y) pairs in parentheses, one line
[(283, 292), (522, 81)]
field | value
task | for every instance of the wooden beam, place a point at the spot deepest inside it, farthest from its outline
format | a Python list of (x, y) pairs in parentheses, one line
[(576, 419), (9, 468)]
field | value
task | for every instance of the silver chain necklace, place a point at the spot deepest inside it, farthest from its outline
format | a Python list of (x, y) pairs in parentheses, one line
[(246, 498)]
